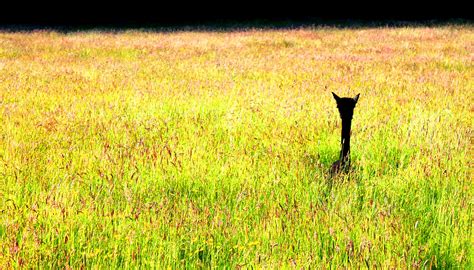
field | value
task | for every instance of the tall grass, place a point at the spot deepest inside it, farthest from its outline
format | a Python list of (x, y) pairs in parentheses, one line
[(190, 149)]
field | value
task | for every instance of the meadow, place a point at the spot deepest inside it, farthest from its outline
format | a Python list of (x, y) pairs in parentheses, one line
[(203, 148)]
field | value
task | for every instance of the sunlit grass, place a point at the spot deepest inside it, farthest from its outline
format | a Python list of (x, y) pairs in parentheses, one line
[(142, 149)]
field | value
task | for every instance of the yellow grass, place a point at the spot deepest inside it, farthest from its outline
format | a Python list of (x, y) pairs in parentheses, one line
[(207, 148)]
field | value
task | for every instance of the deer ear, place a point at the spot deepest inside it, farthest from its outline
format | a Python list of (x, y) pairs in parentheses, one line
[(335, 96), (356, 98)]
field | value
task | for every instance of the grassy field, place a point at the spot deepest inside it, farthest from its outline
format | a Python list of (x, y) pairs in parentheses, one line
[(212, 149)]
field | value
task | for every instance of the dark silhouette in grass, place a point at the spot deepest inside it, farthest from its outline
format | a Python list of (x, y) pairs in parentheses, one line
[(346, 107)]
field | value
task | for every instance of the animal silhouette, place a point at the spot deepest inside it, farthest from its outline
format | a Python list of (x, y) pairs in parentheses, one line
[(346, 107)]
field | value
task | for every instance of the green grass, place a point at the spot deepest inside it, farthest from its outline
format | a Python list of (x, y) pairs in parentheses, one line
[(211, 149)]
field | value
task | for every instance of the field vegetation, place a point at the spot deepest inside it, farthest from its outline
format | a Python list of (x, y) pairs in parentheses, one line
[(203, 148)]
